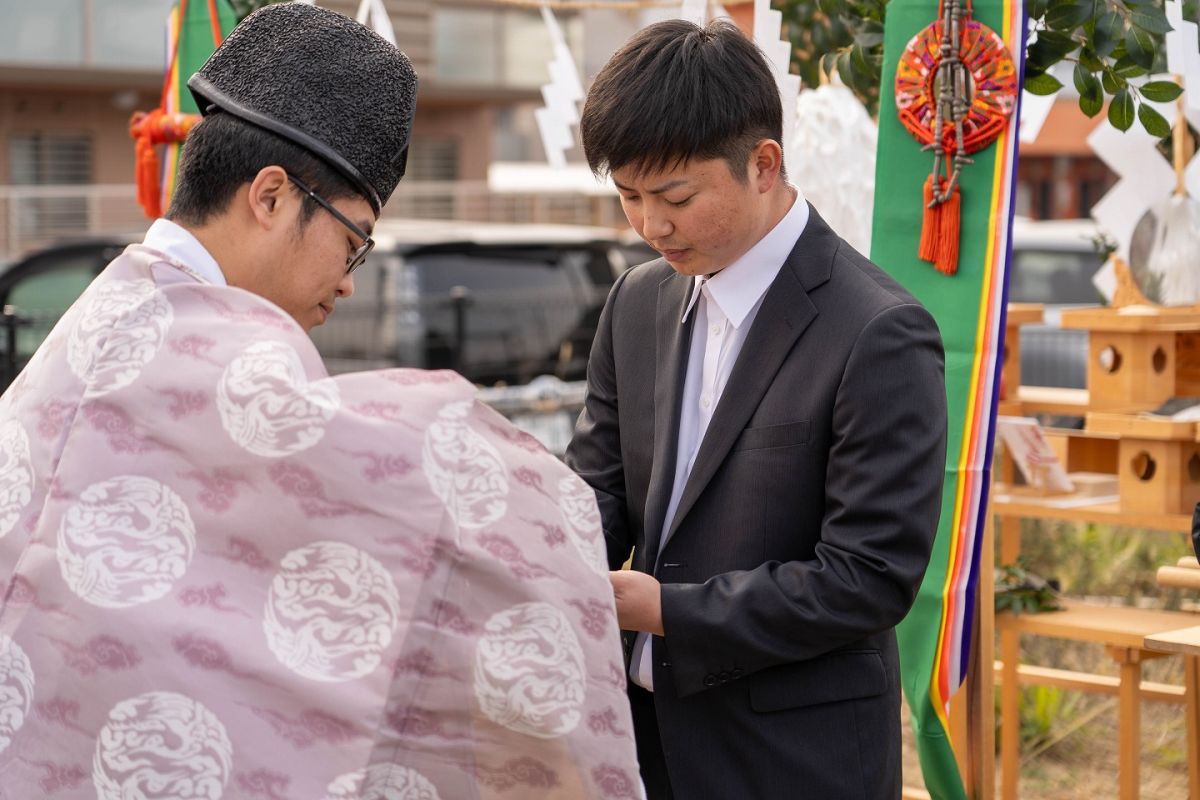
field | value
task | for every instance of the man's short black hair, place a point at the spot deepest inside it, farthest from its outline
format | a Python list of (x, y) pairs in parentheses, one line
[(222, 152), (677, 92)]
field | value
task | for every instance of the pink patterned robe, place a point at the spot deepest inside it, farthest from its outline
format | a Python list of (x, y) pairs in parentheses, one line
[(225, 574)]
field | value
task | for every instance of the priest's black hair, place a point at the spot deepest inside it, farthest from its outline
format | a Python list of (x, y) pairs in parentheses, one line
[(677, 92), (222, 153)]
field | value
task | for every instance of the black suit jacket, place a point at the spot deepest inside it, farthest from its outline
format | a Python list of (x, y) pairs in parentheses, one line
[(804, 530)]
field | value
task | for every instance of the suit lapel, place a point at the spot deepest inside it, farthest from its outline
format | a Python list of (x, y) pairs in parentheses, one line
[(785, 313), (672, 342)]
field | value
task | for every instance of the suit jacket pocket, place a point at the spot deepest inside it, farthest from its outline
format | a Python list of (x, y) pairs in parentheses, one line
[(762, 437), (846, 675)]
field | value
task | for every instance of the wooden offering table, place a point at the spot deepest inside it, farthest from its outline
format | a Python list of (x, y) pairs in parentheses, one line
[(1185, 642), (1126, 633), (1129, 469)]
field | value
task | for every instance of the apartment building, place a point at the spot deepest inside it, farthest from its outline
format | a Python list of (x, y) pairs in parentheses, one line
[(73, 71)]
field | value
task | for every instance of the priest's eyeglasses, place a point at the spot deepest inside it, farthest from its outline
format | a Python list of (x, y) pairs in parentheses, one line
[(355, 259)]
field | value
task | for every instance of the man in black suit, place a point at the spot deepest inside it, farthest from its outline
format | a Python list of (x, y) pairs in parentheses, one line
[(764, 429)]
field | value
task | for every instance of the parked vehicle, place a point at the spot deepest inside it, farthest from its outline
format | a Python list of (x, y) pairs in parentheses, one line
[(499, 303), (1053, 263), (37, 289), (502, 304)]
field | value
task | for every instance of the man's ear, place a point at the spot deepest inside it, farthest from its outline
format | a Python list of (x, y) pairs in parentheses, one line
[(270, 196), (766, 162)]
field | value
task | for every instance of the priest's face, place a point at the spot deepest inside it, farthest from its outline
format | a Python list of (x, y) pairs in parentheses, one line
[(699, 215), (314, 270)]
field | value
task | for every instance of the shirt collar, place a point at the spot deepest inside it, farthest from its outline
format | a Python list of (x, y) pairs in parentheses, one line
[(178, 244), (738, 288)]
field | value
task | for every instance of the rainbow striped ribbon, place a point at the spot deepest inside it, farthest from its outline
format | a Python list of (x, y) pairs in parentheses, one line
[(193, 31), (937, 636)]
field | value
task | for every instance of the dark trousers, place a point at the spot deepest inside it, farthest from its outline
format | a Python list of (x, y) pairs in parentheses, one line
[(649, 745)]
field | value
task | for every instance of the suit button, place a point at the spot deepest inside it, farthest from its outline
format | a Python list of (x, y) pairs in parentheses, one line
[(723, 677), (737, 673), (710, 680)]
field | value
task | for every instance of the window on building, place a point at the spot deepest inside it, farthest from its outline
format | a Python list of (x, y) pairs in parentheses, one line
[(129, 33), (515, 133), (39, 159), (433, 159), (505, 47), (1095, 179), (125, 34), (466, 45), (45, 32), (527, 49), (44, 169)]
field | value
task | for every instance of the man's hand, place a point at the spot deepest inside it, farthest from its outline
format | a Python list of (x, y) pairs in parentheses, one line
[(639, 603)]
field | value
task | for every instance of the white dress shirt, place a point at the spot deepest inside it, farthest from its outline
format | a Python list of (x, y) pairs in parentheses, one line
[(731, 298), (179, 245)]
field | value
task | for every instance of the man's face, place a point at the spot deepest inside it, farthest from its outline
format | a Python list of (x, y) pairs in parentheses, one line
[(697, 215), (311, 273)]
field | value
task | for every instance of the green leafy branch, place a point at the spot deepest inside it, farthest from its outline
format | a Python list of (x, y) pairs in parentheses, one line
[(1110, 43), (842, 35)]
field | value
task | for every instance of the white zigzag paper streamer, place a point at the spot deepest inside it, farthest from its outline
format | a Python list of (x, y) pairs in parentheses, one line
[(1145, 177), (373, 14), (561, 95), (768, 29)]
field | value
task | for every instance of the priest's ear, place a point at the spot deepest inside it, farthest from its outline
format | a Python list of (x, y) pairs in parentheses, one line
[(270, 197)]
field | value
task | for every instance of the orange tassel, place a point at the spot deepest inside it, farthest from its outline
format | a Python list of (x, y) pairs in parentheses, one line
[(929, 224), (146, 165), (148, 130), (948, 234), (940, 228)]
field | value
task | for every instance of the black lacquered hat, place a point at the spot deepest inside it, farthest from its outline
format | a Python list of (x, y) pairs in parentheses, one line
[(322, 81)]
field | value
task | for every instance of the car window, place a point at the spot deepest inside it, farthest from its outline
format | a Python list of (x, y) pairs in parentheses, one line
[(1054, 276), (489, 270), (523, 303), (41, 298), (52, 292)]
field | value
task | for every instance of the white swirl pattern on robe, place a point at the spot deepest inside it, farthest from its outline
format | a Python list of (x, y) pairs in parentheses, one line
[(578, 504), (127, 541), (16, 689), (529, 671), (120, 330), (268, 405), (161, 745), (16, 475), (331, 612), (382, 782), (464, 470), (122, 540)]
